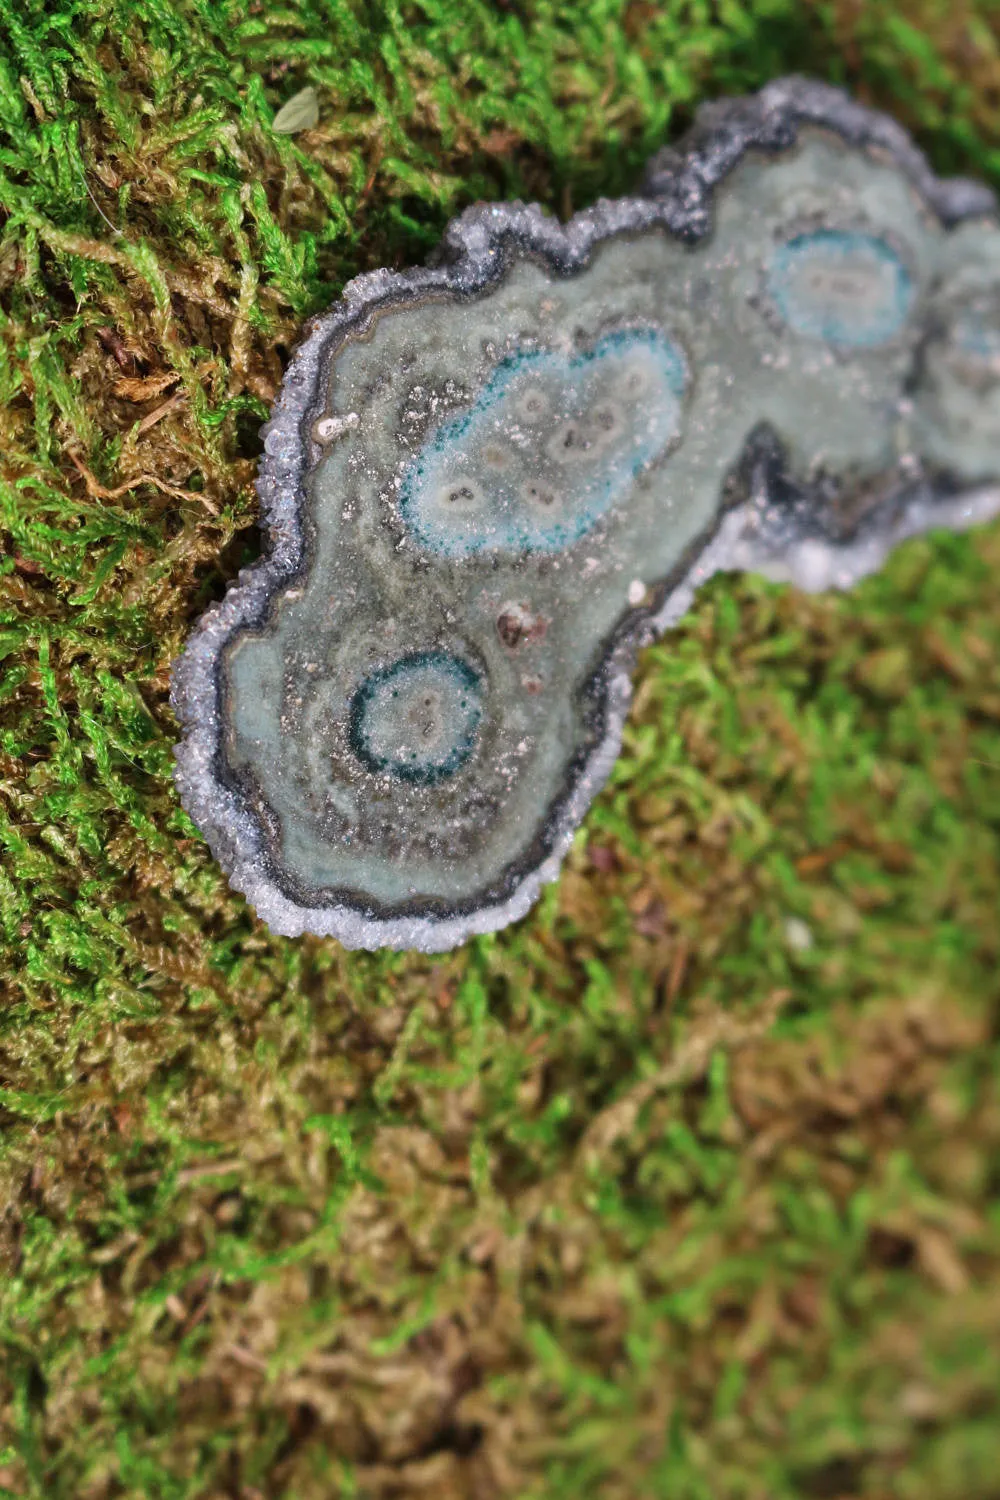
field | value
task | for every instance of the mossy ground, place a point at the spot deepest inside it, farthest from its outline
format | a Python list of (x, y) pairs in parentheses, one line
[(689, 1184)]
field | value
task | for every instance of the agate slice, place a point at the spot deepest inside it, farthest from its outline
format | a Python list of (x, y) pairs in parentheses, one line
[(487, 481)]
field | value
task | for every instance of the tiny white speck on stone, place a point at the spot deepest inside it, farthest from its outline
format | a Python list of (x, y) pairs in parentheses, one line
[(636, 591), (328, 429)]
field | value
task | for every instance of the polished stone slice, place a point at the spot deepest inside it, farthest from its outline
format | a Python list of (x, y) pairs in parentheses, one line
[(487, 481)]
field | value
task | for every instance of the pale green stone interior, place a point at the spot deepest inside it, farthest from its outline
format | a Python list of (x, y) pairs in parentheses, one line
[(373, 595)]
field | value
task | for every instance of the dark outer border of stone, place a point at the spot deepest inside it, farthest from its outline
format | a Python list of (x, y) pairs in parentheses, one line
[(477, 249)]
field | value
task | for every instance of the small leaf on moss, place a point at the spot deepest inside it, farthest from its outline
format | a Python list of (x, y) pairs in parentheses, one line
[(300, 112)]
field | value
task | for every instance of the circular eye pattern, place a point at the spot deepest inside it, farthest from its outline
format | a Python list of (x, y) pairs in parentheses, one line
[(417, 718), (635, 381), (497, 457), (570, 443), (845, 287), (532, 405), (607, 422), (597, 427), (537, 492), (461, 494)]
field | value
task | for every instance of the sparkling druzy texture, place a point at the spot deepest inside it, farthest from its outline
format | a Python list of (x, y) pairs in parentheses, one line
[(487, 481)]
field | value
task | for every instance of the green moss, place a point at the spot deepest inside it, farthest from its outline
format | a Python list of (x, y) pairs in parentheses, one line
[(684, 1186)]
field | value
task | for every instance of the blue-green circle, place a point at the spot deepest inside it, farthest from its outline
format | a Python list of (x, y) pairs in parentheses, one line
[(479, 483), (810, 283), (417, 719)]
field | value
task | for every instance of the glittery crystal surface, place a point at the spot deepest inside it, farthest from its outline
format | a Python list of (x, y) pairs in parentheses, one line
[(488, 480)]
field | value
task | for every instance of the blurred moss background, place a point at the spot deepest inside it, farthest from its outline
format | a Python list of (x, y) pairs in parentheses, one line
[(686, 1186)]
